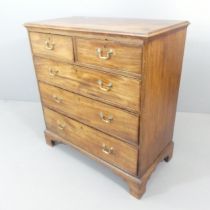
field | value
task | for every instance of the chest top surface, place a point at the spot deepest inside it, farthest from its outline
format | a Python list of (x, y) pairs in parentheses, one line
[(122, 26)]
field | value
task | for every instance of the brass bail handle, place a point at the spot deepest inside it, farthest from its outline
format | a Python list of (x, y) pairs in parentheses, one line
[(105, 119), (49, 45), (104, 87), (57, 99), (61, 126), (99, 53), (107, 150), (53, 72)]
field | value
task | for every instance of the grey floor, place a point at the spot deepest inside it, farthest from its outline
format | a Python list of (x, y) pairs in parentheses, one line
[(34, 176)]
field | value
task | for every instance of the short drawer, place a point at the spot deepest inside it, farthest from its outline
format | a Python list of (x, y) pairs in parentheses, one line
[(53, 46), (120, 91), (96, 143), (104, 117), (109, 54)]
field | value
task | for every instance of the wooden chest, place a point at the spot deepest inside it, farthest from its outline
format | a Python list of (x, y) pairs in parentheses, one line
[(109, 88)]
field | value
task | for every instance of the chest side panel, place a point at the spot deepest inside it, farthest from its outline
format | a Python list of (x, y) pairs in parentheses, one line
[(161, 77)]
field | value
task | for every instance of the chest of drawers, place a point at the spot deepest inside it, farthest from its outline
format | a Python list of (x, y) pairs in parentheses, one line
[(109, 88)]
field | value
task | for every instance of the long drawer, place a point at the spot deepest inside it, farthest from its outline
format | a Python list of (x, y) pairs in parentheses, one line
[(119, 90), (104, 117), (98, 144)]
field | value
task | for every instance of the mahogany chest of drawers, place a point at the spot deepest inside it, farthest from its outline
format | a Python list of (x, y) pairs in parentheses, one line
[(109, 88)]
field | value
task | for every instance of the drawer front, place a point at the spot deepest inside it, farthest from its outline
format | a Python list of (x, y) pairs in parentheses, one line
[(52, 46), (104, 117), (109, 54), (119, 90), (98, 144)]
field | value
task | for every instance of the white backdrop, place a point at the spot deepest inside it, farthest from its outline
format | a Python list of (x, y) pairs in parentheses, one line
[(17, 78)]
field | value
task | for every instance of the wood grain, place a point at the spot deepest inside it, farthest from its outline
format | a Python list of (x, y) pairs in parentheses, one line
[(123, 156), (162, 73), (124, 57), (144, 28), (124, 92), (124, 125), (62, 50)]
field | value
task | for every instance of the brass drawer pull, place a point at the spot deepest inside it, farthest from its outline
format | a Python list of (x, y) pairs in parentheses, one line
[(107, 150), (104, 87), (61, 126), (49, 45), (105, 119), (57, 99), (99, 53), (53, 72)]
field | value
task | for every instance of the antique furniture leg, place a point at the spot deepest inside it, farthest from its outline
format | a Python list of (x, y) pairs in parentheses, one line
[(137, 189), (48, 139)]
